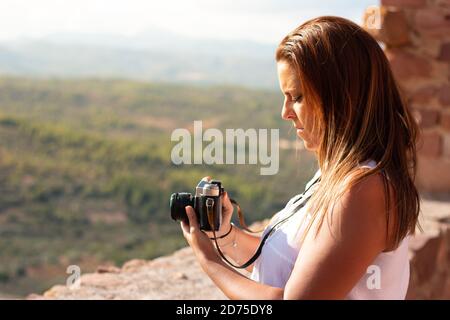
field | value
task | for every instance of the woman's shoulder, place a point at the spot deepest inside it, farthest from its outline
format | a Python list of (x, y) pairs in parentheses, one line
[(367, 196), (366, 205), (357, 218)]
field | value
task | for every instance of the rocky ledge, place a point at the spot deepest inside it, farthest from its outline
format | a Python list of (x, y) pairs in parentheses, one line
[(179, 276)]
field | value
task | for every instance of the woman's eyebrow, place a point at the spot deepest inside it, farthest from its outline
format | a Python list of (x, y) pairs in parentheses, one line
[(291, 92)]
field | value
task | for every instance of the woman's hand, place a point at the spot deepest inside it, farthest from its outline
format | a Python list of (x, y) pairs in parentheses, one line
[(232, 283), (197, 239)]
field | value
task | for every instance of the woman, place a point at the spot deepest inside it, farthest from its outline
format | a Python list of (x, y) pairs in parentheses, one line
[(350, 240)]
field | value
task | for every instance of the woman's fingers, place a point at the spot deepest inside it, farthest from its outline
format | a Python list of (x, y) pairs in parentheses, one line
[(226, 200), (227, 203), (184, 227), (193, 224), (207, 178)]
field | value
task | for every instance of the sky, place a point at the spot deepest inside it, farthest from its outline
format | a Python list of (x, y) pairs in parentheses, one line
[(258, 20)]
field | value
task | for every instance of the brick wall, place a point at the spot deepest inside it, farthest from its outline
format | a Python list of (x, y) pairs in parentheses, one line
[(416, 36)]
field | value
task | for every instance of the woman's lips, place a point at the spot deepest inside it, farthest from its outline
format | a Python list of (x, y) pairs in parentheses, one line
[(299, 128)]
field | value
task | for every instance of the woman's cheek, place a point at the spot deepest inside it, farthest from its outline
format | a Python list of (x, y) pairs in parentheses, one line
[(298, 110)]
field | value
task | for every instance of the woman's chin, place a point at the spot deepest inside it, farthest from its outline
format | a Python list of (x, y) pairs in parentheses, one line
[(309, 146)]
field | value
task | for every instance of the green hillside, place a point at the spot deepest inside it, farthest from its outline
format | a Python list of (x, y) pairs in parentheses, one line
[(85, 170)]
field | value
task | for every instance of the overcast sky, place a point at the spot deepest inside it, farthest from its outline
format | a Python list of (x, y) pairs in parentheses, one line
[(259, 20)]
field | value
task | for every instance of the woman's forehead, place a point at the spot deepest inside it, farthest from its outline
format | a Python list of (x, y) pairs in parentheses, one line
[(288, 78)]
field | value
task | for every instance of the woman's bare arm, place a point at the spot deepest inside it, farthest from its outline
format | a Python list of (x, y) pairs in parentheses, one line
[(231, 282), (235, 285), (246, 245)]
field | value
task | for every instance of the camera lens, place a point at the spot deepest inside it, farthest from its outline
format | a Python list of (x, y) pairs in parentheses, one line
[(178, 202)]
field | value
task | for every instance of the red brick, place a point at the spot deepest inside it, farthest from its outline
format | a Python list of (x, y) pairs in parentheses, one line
[(430, 145), (394, 28), (433, 174), (433, 22), (424, 249), (446, 145), (444, 95), (406, 65), (404, 3), (443, 3), (444, 55), (427, 118), (445, 121), (423, 96)]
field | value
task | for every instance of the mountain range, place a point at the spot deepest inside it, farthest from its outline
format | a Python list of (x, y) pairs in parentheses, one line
[(155, 55)]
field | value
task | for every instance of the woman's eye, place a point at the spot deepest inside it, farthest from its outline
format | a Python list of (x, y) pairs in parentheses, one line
[(297, 99)]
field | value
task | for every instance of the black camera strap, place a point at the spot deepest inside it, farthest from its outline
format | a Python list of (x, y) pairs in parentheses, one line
[(267, 235)]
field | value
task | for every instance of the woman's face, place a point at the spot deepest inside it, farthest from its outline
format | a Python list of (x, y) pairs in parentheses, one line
[(294, 108)]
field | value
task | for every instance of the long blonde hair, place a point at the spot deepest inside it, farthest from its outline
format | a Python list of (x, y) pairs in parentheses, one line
[(346, 78)]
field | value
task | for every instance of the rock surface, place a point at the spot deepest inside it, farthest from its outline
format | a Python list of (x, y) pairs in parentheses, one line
[(177, 276)]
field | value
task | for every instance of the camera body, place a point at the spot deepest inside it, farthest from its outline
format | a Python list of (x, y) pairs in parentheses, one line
[(207, 198)]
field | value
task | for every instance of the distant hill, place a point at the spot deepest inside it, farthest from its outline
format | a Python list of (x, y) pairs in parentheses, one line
[(154, 56), (86, 174)]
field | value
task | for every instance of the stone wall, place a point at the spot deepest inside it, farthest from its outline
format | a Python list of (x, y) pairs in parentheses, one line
[(416, 35), (429, 253)]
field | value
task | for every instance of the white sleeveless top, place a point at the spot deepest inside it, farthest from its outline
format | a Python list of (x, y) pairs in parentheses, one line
[(386, 278)]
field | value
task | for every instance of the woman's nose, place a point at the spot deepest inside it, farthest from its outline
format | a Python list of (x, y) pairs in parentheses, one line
[(287, 113)]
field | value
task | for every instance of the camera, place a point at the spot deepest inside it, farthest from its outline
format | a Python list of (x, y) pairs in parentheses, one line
[(207, 204)]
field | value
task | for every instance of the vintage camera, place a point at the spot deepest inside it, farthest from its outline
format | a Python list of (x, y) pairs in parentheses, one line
[(207, 200)]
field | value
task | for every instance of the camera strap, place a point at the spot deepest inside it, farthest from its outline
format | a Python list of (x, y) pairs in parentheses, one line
[(267, 235)]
